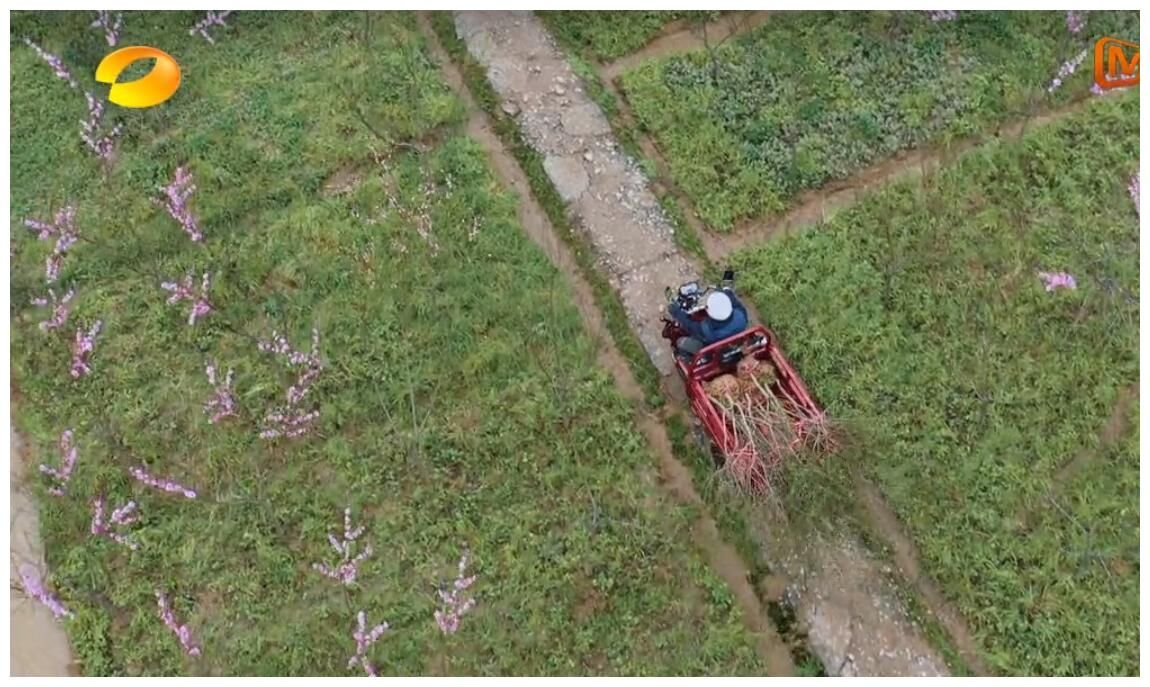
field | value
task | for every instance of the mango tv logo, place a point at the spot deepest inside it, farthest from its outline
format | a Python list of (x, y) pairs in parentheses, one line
[(149, 90), (1112, 67)]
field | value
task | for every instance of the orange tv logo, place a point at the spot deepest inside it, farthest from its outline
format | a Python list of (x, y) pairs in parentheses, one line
[(148, 91), (1115, 63)]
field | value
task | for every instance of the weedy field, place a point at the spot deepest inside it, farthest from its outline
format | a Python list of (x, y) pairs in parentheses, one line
[(988, 397), (609, 35), (457, 406), (811, 97)]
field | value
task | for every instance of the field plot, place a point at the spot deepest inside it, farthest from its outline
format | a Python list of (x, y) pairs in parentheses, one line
[(994, 413), (459, 404), (609, 35), (811, 97)]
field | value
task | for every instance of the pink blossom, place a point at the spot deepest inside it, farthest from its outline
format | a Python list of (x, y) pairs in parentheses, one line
[(121, 517), (175, 201), (111, 27), (144, 477), (99, 526), (289, 421), (280, 346), (183, 292), (1134, 188), (182, 632), (63, 229), (125, 514), (82, 349), (1068, 67), (102, 144), (1075, 21), (223, 402), (454, 607), (63, 222), (52, 267), (288, 424), (60, 309), (68, 454), (1057, 280), (347, 568), (941, 15), (34, 587), (54, 62), (363, 639), (212, 18)]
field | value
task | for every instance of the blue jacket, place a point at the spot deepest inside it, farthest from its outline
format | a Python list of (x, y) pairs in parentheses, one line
[(708, 330)]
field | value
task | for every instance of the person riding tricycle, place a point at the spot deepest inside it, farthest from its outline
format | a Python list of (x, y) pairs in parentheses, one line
[(721, 315)]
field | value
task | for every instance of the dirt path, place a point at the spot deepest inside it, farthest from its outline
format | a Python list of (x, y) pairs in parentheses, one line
[(664, 182), (39, 646), (721, 556), (848, 607), (604, 189), (681, 36), (849, 610)]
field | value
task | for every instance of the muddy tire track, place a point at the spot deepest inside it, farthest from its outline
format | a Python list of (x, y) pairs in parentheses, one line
[(906, 557), (683, 36), (817, 205), (1116, 426), (853, 620), (722, 557)]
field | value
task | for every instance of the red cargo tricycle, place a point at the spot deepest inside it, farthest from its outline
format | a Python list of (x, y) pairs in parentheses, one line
[(723, 358)]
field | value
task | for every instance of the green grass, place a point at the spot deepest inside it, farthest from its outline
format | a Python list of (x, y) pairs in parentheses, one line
[(461, 401), (606, 36), (918, 316), (811, 97), (531, 162)]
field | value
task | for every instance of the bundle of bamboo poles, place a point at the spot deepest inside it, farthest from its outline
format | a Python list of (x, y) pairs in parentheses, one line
[(767, 428)]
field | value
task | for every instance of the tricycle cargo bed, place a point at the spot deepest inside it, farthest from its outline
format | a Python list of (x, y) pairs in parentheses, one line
[(723, 358)]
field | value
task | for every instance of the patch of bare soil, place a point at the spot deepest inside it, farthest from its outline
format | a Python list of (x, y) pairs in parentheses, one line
[(343, 181), (682, 36), (38, 645)]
